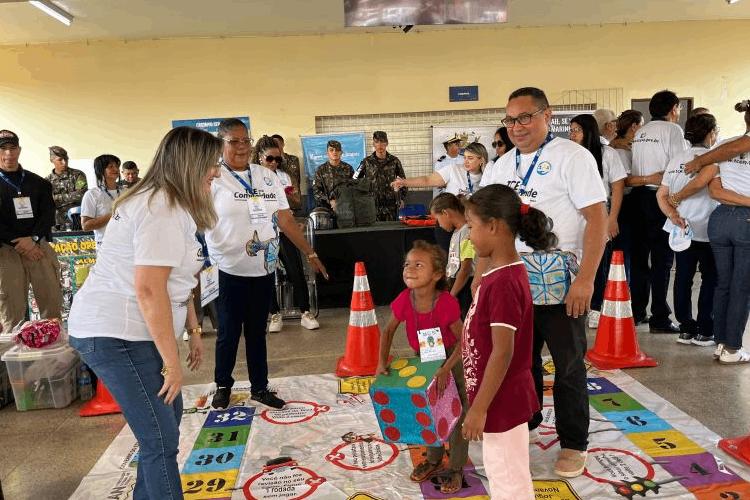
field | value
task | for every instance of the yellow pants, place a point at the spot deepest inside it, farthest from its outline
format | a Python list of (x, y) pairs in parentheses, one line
[(16, 273)]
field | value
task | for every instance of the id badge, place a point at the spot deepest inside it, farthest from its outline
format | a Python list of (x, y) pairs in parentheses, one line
[(257, 207), (23, 208), (431, 346), (209, 284)]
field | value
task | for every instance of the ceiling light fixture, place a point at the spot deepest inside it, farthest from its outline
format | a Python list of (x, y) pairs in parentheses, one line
[(730, 2), (53, 10)]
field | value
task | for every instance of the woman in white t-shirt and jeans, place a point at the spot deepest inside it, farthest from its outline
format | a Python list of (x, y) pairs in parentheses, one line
[(266, 153), (685, 200), (136, 300), (96, 205), (585, 131)]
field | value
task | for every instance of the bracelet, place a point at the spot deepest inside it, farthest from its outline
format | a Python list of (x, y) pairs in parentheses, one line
[(164, 370), (195, 331), (673, 200), (312, 256)]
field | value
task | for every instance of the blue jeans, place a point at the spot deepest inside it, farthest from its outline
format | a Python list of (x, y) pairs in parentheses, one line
[(697, 257), (729, 232), (132, 373)]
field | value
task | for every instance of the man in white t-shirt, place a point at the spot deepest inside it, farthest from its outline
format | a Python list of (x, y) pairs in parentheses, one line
[(654, 146), (560, 178), (606, 119)]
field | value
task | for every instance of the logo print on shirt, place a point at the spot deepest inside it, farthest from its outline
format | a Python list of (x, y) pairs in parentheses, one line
[(543, 168), (268, 181)]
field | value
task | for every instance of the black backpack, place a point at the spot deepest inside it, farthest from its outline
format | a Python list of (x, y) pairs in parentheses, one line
[(355, 203)]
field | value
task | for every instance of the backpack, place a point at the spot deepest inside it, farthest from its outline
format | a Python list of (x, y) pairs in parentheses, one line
[(355, 203)]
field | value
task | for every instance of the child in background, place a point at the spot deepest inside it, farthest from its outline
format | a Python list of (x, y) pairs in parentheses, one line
[(449, 212), (426, 305), (498, 338)]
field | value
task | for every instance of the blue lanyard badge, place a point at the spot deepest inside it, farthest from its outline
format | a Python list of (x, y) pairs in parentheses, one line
[(106, 191), (470, 184), (527, 177), (248, 187), (10, 183), (202, 240)]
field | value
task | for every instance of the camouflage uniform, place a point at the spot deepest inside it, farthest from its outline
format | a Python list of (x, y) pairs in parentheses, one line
[(327, 177), (381, 173), (67, 191), (290, 165)]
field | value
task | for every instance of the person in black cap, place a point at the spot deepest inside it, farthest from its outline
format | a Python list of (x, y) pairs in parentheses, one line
[(382, 168), (27, 214), (68, 185), (329, 175)]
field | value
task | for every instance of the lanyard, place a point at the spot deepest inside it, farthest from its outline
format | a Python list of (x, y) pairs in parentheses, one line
[(202, 240), (471, 184), (530, 171), (248, 187), (17, 188), (106, 191), (416, 314)]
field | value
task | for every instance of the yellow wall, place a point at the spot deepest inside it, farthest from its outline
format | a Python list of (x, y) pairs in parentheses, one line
[(121, 97)]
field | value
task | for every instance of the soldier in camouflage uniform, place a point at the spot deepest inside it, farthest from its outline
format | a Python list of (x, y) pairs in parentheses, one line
[(291, 166), (382, 168), (329, 175), (68, 185)]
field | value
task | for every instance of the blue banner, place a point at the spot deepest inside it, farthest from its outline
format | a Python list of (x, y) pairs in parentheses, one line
[(314, 150), (208, 124)]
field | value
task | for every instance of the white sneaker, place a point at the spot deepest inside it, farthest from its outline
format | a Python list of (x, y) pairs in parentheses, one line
[(308, 321), (594, 319), (717, 351), (276, 324), (733, 358)]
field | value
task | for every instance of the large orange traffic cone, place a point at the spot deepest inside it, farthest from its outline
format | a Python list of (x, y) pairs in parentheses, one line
[(102, 403), (616, 344), (738, 447), (363, 334)]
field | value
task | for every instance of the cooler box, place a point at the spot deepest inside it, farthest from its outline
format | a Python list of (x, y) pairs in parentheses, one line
[(42, 378), (6, 391)]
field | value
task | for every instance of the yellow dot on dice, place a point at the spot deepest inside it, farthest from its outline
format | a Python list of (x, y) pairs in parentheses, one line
[(416, 382), (399, 363), (407, 372)]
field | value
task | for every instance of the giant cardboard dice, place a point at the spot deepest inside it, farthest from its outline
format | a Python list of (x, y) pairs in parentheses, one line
[(407, 405)]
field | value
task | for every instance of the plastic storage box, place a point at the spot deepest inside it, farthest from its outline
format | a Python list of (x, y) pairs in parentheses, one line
[(42, 378), (6, 391)]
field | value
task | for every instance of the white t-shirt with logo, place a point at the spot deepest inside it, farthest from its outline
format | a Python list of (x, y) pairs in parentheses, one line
[(95, 203), (142, 232), (697, 208), (612, 168), (565, 180), (654, 146), (238, 244), (735, 173), (457, 180)]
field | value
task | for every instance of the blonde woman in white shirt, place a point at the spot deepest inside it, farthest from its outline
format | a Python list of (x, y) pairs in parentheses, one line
[(136, 300)]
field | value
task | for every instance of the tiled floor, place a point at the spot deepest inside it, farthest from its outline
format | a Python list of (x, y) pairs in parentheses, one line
[(45, 453)]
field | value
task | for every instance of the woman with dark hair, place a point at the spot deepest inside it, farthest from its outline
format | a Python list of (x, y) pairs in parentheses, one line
[(96, 206), (502, 143), (267, 154), (687, 203), (585, 131), (253, 209)]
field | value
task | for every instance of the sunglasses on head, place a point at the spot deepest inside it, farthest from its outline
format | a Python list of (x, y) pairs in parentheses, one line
[(277, 159), (497, 144)]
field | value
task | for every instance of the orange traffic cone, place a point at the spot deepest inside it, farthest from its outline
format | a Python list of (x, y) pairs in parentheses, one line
[(102, 404), (616, 344), (738, 447), (363, 334)]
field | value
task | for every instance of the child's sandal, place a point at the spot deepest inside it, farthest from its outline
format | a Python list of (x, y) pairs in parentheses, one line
[(452, 483), (423, 471)]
